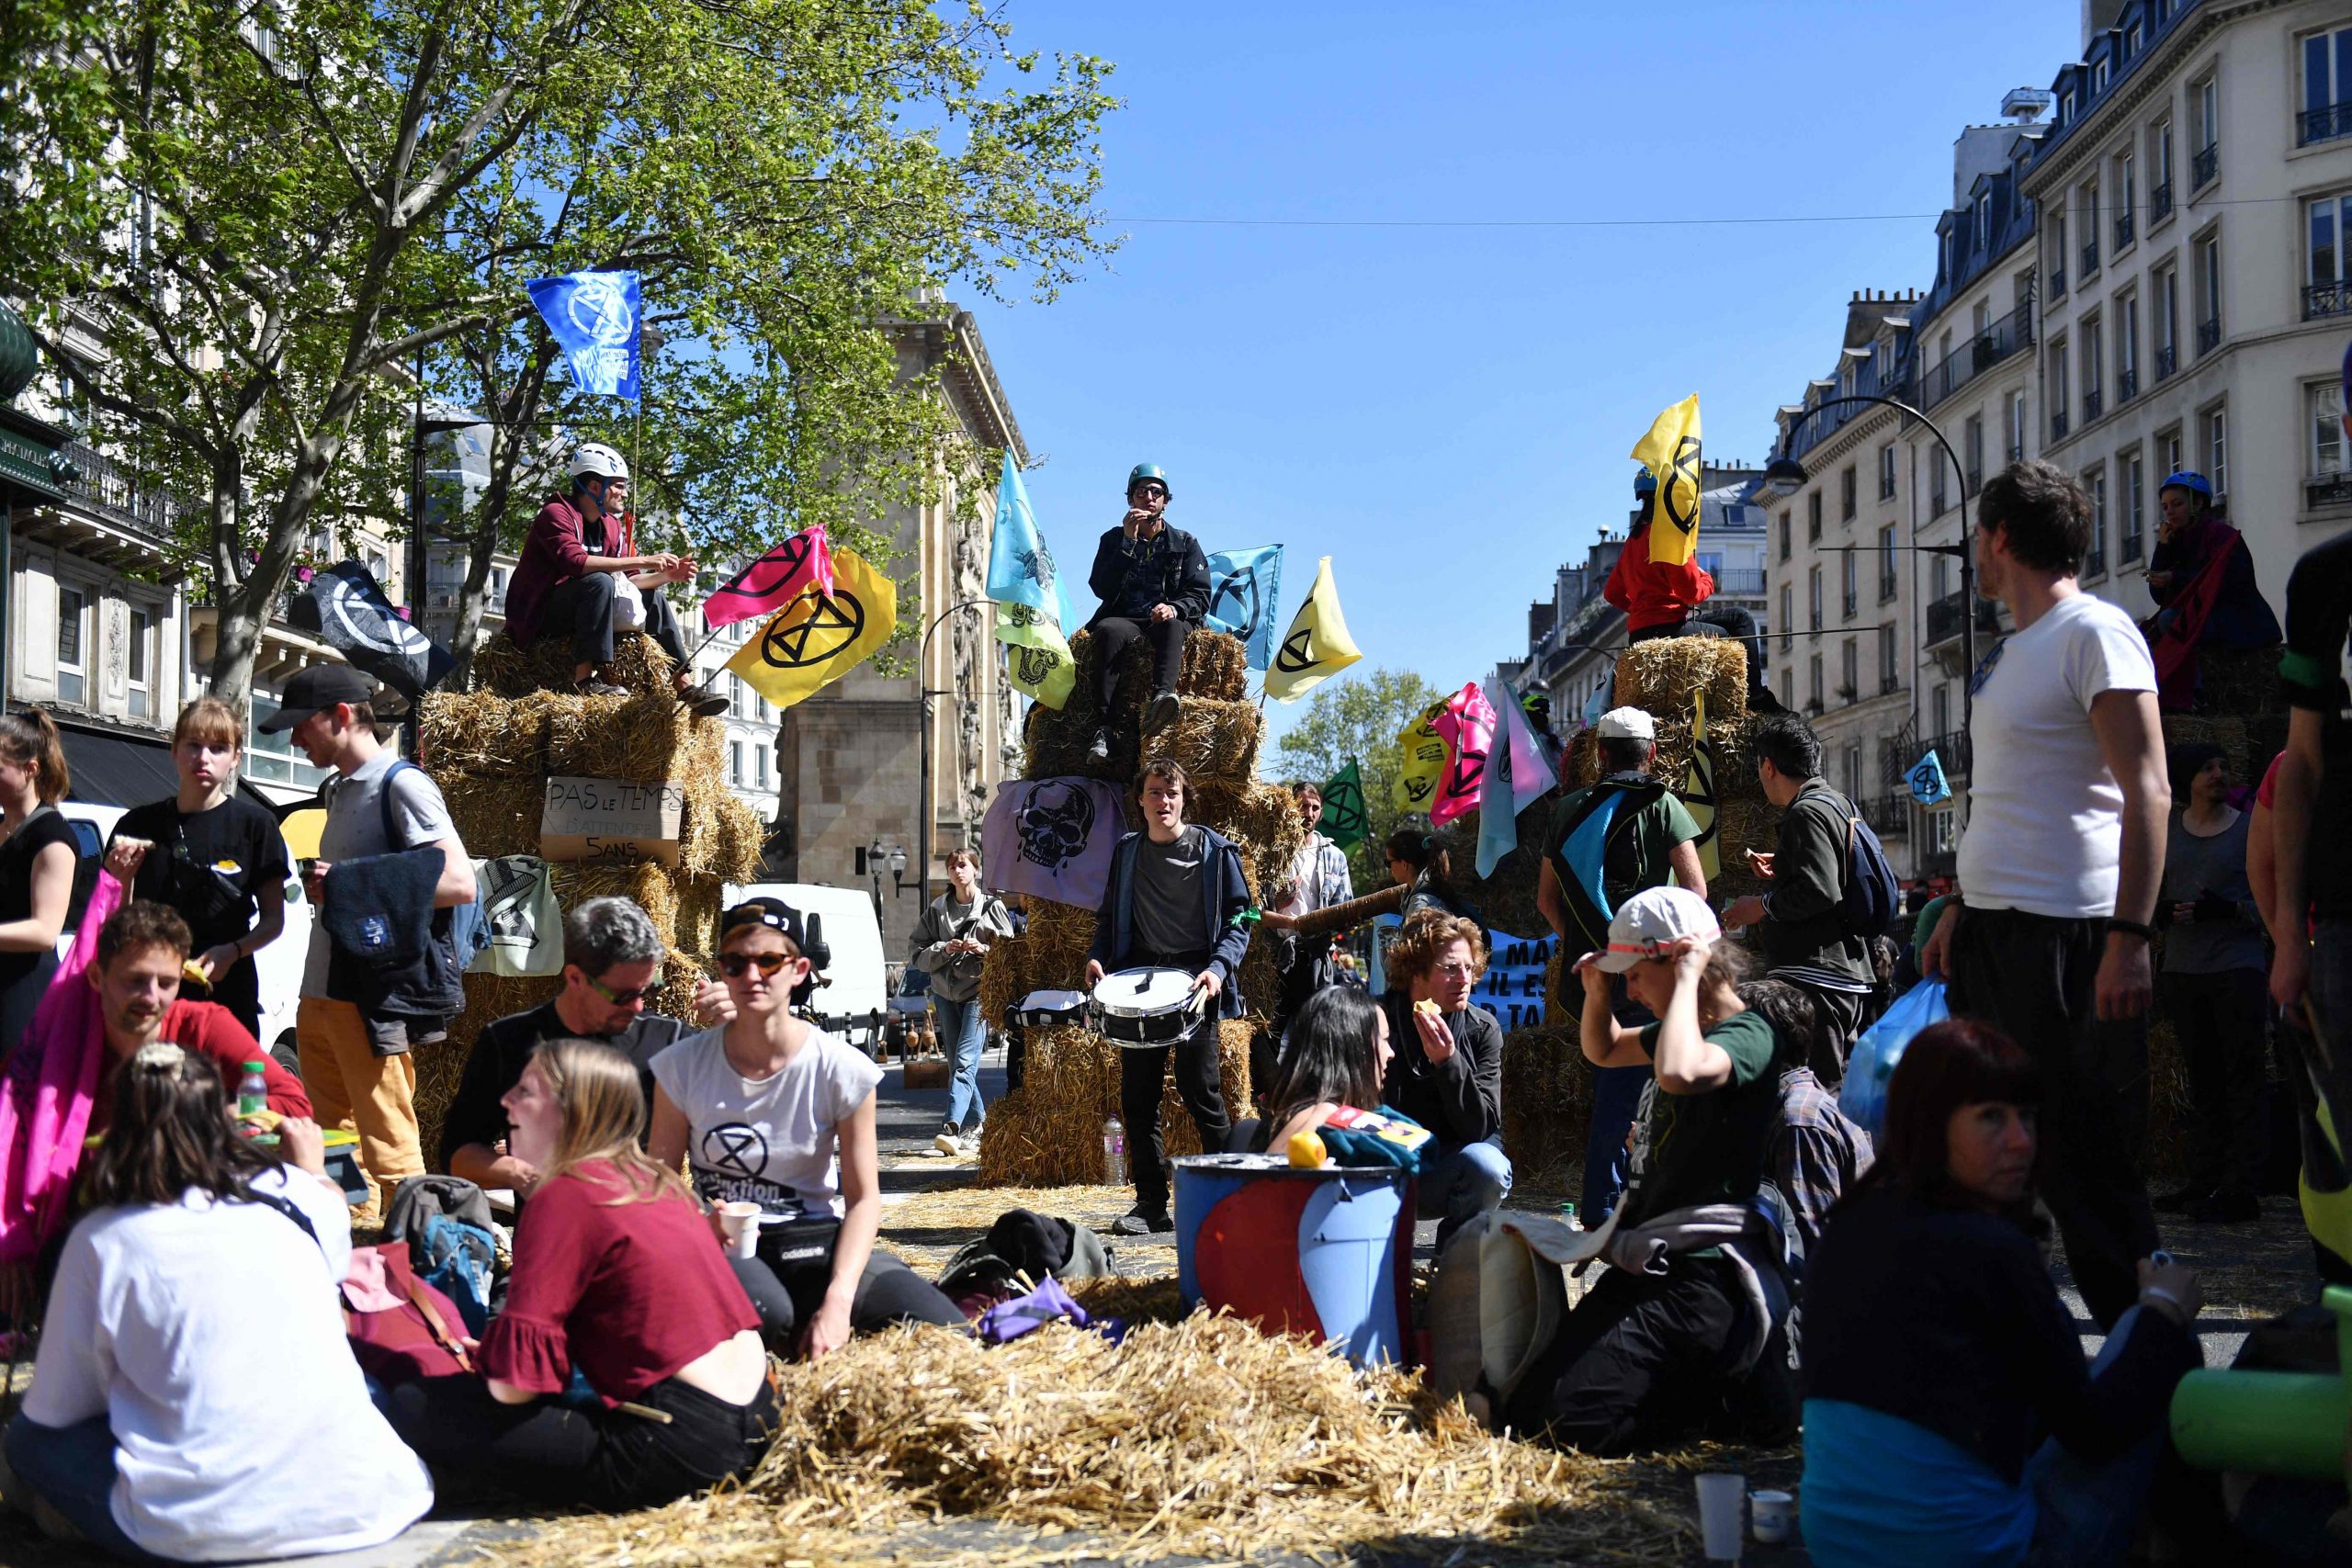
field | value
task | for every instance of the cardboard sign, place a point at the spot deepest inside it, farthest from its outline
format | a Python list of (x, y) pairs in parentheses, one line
[(589, 820)]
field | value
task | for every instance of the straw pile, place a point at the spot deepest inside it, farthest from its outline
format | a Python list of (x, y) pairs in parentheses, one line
[(1214, 671), (1049, 1132), (1547, 1102), (1211, 739), (1660, 675), (638, 663)]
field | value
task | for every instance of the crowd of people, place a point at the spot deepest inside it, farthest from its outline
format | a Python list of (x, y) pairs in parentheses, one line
[(694, 1196)]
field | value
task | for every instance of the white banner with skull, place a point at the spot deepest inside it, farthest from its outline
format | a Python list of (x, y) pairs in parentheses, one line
[(1053, 839)]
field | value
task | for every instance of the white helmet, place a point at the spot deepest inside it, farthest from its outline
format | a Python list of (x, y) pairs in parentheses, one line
[(596, 457)]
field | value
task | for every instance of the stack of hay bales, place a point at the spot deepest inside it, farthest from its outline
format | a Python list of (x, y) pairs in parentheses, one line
[(1050, 1132), (493, 751)]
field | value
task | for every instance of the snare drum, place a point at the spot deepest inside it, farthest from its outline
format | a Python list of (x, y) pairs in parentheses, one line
[(1048, 1009), (1141, 1007)]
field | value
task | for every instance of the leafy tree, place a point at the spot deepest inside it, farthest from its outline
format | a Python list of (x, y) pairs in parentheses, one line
[(243, 231), (1359, 716)]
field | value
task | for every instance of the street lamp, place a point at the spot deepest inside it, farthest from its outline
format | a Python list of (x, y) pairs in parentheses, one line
[(1784, 475), (878, 856)]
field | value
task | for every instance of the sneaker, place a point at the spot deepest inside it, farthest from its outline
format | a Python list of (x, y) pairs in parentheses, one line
[(2180, 1203), (1140, 1221), (701, 701), (591, 687), (971, 1144), (948, 1141), (1166, 708), (1099, 750), (2226, 1209), (1760, 700)]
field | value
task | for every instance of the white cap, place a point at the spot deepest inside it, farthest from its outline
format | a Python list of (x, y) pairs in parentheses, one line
[(596, 457), (1627, 724), (1648, 924)]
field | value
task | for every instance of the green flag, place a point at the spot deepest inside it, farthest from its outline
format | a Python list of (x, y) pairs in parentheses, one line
[(1342, 821)]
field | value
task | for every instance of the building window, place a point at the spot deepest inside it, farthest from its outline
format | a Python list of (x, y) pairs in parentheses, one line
[(2206, 97), (1788, 621), (761, 706), (72, 615), (2135, 37), (1849, 684), (2164, 321), (2209, 293), (2127, 348), (1971, 450), (1854, 773), (1813, 596), (2061, 397), (140, 661), (1943, 837), (2324, 405), (1886, 553), (2066, 107), (1849, 493), (2126, 185), (1847, 571), (1940, 711), (2100, 71), (735, 763), (2093, 369), (1785, 535), (735, 705), (2133, 469), (1812, 693), (2057, 254), (1886, 672), (2327, 87), (2169, 450), (2327, 279), (2159, 172), (2013, 421), (2094, 560), (1939, 576), (1813, 518), (1983, 225), (2086, 218), (2217, 448), (1886, 472), (760, 767)]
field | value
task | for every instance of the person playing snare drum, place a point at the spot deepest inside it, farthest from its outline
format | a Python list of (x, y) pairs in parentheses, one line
[(1177, 899)]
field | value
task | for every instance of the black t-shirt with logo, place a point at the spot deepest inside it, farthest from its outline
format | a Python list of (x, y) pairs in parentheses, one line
[(207, 864)]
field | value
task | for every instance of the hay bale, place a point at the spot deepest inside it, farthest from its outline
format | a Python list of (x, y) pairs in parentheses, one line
[(1583, 763), (1660, 675), (1547, 1105), (644, 738), (2238, 681), (1216, 667), (1562, 992), (1049, 1133), (720, 836), (494, 815), (1210, 739), (480, 735), (1055, 949), (638, 663), (653, 887), (742, 847), (1261, 819), (1055, 747)]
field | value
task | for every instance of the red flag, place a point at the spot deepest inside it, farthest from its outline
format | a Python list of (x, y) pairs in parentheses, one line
[(801, 563)]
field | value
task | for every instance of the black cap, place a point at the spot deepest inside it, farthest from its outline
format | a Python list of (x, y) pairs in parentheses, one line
[(773, 913), (315, 687)]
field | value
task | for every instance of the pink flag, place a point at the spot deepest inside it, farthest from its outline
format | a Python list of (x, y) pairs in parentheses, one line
[(1468, 728), (801, 563)]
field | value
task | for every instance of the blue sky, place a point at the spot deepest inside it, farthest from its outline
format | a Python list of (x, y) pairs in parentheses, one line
[(1446, 411)]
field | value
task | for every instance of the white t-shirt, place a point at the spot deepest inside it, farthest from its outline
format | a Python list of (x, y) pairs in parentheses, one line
[(770, 1141), (210, 1337), (355, 827), (2045, 824)]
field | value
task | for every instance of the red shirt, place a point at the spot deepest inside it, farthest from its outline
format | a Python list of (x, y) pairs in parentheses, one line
[(554, 553), (1652, 595), (626, 1292), (214, 1031)]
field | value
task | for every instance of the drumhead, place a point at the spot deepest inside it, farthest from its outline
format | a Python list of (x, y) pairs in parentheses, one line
[(1143, 993), (1052, 1002)]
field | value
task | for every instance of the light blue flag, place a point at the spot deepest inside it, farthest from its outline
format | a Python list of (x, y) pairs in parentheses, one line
[(1021, 568), (1517, 774), (1245, 589), (1926, 780), (594, 316)]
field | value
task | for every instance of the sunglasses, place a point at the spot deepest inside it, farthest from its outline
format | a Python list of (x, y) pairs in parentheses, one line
[(623, 999), (734, 965)]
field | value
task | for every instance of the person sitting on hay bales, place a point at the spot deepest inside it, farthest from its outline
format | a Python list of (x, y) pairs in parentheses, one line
[(194, 1399), (1177, 899), (773, 1111), (1939, 1356), (1153, 582), (1665, 599), (1336, 1054), (616, 1275), (1448, 1074), (2201, 576), (950, 942), (1318, 879), (612, 958), (1618, 836), (580, 577), (1688, 1316), (1422, 861)]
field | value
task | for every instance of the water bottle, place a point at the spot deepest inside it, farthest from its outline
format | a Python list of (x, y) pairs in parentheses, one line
[(253, 1091), (1114, 1153), (1568, 1216)]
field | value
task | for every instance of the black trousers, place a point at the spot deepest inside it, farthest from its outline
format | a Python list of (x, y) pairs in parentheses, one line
[(2219, 1020), (788, 1293), (1301, 976), (1839, 1016), (2032, 978), (582, 608), (1113, 634), (570, 1455), (1736, 620), (1142, 1070)]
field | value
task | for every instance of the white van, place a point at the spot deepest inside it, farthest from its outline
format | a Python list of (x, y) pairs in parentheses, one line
[(855, 987)]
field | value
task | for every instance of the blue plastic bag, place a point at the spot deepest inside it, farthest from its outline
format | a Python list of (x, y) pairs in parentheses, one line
[(1863, 1095)]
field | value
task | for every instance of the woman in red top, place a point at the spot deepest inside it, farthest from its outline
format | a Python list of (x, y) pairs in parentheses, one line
[(617, 1275)]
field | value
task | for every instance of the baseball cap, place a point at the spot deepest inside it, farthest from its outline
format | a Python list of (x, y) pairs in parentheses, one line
[(315, 687), (1651, 921), (1627, 724)]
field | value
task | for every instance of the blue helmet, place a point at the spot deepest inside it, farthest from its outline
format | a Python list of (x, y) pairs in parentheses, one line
[(1645, 483), (1153, 472), (2190, 481)]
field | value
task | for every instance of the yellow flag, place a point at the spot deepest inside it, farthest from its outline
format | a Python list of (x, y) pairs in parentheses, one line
[(1317, 646), (817, 638), (1671, 452), (1039, 661), (1698, 791), (1423, 769)]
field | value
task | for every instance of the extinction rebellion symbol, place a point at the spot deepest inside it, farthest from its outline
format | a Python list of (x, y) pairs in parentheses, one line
[(836, 622), (1240, 586), (1297, 654), (786, 560), (1343, 813), (1679, 496)]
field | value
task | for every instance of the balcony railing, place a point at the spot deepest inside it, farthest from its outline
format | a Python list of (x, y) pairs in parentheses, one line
[(2127, 385), (1852, 603), (1741, 581), (2017, 451), (2159, 202), (1952, 749), (2207, 166), (2129, 548), (1886, 586), (2123, 231), (1889, 814), (113, 492), (1887, 487), (2328, 489), (2090, 258), (2057, 283), (2058, 424), (2208, 334), (1938, 501), (2094, 404), (1973, 480), (2167, 360), (2327, 300), (1980, 353), (2322, 124), (2095, 564), (1944, 619)]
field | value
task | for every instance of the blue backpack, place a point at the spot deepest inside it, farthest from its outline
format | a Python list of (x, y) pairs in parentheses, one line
[(1870, 897)]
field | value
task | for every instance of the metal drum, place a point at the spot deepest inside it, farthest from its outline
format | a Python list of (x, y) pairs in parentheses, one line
[(1050, 1010), (1142, 1007)]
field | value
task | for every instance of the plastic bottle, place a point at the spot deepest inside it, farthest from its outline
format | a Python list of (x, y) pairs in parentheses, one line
[(1114, 1153), (1568, 1216), (253, 1091)]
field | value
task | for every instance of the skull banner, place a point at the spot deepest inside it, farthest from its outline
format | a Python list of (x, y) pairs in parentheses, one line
[(1052, 838)]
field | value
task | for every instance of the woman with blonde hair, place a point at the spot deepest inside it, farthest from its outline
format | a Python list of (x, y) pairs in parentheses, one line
[(38, 852), (617, 1275), (215, 856)]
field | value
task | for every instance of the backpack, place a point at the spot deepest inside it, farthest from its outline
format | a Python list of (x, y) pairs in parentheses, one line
[(401, 1328), (1869, 899)]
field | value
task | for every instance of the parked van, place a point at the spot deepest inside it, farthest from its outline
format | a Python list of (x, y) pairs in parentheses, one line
[(854, 989)]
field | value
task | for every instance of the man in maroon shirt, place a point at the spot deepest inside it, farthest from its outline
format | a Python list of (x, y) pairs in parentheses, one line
[(142, 951), (568, 581)]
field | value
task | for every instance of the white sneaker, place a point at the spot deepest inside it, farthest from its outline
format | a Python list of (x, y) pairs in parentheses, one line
[(948, 1142)]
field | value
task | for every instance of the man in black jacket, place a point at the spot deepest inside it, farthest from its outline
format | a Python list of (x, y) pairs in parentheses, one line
[(1445, 1067), (1154, 583), (1805, 941)]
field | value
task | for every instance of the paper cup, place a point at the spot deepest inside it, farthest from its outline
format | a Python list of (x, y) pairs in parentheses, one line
[(1772, 1515), (1722, 1494), (741, 1221)]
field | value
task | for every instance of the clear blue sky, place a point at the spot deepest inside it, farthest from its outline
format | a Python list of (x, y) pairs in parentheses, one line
[(1445, 411)]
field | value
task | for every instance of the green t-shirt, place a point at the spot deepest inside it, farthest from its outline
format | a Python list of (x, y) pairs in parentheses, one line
[(1640, 848), (1711, 1147)]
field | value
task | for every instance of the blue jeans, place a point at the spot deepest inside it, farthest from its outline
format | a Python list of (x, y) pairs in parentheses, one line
[(1616, 1098), (72, 1469), (1460, 1183), (965, 1031), (2086, 1513)]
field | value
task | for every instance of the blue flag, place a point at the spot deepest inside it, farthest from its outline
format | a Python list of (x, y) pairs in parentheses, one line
[(1245, 586), (594, 316), (1926, 780), (1021, 568)]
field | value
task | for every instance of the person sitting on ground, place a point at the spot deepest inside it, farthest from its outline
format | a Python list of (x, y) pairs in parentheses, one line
[(612, 960), (616, 1275), (1682, 1318), (773, 1111), (1153, 582), (1336, 1054), (1940, 1353), (580, 565), (1818, 1155), (195, 1399), (1664, 598), (1448, 1071)]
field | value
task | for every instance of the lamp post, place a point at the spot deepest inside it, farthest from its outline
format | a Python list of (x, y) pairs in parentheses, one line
[(878, 855), (1784, 475), (923, 798)]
